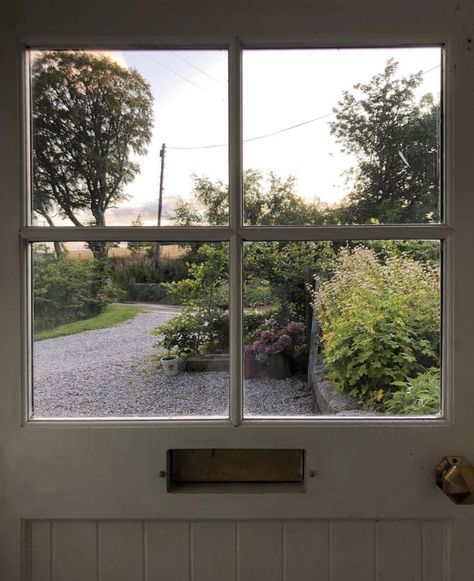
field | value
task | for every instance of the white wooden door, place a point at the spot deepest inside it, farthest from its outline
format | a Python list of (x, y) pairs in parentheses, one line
[(84, 500)]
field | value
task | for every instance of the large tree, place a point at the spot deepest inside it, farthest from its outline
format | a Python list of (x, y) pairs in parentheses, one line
[(89, 116), (395, 139)]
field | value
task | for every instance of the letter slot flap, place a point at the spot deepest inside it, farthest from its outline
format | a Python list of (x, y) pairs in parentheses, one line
[(231, 466)]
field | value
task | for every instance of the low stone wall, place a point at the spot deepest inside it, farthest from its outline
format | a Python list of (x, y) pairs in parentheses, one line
[(215, 362), (328, 401), (146, 292)]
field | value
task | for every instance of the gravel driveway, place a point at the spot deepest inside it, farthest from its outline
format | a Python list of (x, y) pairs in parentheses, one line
[(112, 372)]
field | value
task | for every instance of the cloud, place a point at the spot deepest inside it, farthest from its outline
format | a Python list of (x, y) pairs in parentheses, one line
[(125, 215)]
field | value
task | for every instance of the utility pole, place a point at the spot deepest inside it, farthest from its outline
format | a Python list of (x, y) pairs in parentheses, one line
[(160, 202)]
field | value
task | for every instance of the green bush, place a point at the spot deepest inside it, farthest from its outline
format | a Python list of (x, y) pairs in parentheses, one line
[(420, 395), (195, 331), (380, 323), (67, 290), (203, 331), (207, 285)]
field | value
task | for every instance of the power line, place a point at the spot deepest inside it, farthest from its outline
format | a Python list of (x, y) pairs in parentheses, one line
[(276, 132), (177, 55), (265, 135), (169, 69)]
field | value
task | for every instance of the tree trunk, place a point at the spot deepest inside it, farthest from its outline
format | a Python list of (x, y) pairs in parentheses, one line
[(99, 247), (57, 245)]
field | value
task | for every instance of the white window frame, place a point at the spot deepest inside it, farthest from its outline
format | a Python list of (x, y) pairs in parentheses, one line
[(236, 233)]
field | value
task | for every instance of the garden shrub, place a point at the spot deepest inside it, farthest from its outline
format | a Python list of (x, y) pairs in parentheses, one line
[(419, 395), (203, 331), (66, 290), (207, 285), (380, 323), (195, 331)]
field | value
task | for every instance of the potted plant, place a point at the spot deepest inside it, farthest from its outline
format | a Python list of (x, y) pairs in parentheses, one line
[(170, 365), (275, 349)]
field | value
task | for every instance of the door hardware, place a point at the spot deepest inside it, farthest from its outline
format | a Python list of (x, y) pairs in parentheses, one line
[(455, 477)]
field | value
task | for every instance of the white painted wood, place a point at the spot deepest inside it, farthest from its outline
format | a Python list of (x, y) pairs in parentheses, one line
[(121, 551), (40, 534), (167, 551), (260, 551), (74, 551), (208, 550), (306, 546), (399, 553), (435, 561), (352, 548), (213, 551), (461, 555)]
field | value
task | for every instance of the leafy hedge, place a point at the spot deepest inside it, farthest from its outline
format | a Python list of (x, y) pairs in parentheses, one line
[(67, 290), (380, 323)]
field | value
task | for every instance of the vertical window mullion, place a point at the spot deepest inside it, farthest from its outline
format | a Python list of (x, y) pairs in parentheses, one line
[(235, 217)]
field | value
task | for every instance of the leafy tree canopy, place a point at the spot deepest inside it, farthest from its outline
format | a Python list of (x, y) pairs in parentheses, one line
[(394, 137), (271, 201), (89, 116)]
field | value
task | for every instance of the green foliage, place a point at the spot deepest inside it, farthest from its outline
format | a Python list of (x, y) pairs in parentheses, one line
[(420, 395), (141, 268), (267, 202), (89, 116), (286, 269), (195, 331), (113, 315), (203, 331), (424, 251), (207, 285), (255, 320), (395, 140), (67, 290), (380, 322)]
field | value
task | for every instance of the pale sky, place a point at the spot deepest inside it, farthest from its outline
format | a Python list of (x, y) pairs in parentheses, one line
[(281, 88)]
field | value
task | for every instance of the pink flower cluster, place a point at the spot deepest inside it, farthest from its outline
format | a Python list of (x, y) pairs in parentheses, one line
[(273, 340)]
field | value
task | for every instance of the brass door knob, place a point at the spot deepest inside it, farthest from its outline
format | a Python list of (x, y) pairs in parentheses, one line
[(455, 476)]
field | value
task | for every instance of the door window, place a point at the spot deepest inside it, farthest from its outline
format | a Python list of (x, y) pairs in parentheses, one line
[(300, 280)]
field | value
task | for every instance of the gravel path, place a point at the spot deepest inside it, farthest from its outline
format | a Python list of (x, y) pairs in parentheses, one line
[(113, 372)]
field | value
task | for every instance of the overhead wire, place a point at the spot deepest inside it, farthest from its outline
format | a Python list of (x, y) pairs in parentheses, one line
[(265, 135), (169, 69), (178, 55)]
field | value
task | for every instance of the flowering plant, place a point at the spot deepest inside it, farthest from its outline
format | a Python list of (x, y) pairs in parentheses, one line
[(270, 340)]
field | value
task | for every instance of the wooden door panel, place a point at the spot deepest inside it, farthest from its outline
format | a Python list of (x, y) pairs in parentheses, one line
[(74, 550), (352, 551), (121, 551), (312, 550), (213, 550), (306, 550), (167, 554)]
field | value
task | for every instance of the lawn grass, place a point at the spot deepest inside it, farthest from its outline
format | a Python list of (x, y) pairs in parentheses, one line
[(113, 315)]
